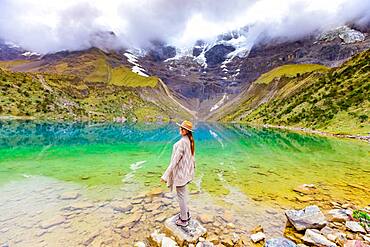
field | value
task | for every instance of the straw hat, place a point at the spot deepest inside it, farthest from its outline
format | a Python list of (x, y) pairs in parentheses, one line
[(186, 125)]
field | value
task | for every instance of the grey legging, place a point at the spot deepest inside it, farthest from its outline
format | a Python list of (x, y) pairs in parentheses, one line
[(182, 196)]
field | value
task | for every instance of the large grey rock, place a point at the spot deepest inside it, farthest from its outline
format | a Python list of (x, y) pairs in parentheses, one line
[(280, 242), (314, 237), (355, 226), (188, 234), (310, 217), (339, 215)]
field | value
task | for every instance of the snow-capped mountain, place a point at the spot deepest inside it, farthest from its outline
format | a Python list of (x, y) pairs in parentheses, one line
[(210, 74), (11, 51)]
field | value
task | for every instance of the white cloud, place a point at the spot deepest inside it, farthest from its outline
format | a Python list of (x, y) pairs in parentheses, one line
[(45, 26)]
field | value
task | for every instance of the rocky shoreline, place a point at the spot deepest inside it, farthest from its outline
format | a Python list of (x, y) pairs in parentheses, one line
[(305, 227), (318, 132), (147, 219)]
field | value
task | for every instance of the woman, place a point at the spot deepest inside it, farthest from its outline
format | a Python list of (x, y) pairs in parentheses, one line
[(181, 169)]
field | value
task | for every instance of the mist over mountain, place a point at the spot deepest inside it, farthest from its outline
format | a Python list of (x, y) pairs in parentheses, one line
[(50, 26)]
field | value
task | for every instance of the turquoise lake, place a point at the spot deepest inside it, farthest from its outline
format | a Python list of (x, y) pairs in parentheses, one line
[(238, 168)]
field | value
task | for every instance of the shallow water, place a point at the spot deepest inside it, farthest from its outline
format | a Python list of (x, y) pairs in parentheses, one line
[(240, 171)]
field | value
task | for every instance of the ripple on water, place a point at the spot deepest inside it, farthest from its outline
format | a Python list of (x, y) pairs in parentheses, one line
[(250, 172)]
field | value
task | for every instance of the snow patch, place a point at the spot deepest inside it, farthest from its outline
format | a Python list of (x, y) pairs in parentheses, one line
[(29, 54), (219, 103), (136, 68), (346, 34)]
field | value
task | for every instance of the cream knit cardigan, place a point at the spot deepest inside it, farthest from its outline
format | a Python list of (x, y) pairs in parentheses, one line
[(182, 165)]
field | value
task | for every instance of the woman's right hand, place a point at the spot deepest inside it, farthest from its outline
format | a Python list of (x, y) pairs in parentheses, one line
[(162, 180)]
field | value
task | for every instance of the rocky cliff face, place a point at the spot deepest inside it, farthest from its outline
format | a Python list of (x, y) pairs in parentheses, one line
[(209, 72)]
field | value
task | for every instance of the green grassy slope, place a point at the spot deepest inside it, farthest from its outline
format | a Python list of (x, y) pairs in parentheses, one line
[(92, 65), (86, 85), (51, 96), (335, 100), (289, 70)]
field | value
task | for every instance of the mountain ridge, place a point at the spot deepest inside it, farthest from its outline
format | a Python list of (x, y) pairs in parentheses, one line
[(334, 100), (202, 82)]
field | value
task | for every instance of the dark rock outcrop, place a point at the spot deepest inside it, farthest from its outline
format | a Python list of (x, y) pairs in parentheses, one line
[(217, 54)]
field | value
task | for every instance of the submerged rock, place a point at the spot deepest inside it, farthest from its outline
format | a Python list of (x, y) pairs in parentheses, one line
[(69, 195), (57, 220), (121, 206), (310, 217), (205, 218), (188, 234), (129, 220), (155, 192), (314, 237), (306, 189), (79, 206), (280, 242)]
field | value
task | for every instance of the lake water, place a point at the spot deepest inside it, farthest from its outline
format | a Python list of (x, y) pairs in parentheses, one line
[(244, 175)]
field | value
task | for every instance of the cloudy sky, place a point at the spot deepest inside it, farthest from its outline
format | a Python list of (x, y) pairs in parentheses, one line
[(52, 25)]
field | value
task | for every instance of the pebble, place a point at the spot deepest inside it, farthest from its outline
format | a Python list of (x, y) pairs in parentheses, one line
[(69, 195), (307, 189), (139, 244), (257, 229), (152, 207), (161, 218), (227, 216), (258, 237), (227, 241), (168, 242), (206, 218), (213, 238), (230, 225), (155, 192), (128, 220), (79, 206), (121, 206)]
